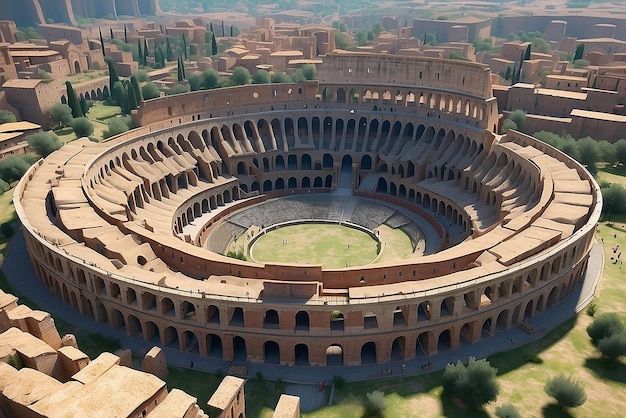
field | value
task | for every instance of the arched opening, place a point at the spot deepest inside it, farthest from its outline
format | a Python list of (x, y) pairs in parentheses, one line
[(239, 349), (302, 355), (190, 342), (237, 320), (214, 346), (444, 342), (270, 319), (271, 352), (368, 353), (302, 321), (334, 355), (151, 333), (170, 338), (336, 321), (133, 326), (397, 349), (213, 314)]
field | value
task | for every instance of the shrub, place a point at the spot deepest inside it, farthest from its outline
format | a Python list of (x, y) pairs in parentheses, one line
[(240, 76), (6, 116), (4, 186), (507, 411), (12, 168), (261, 77), (117, 125), (44, 143), (605, 326), (532, 357), (567, 392), (177, 89), (614, 346), (376, 401), (82, 126), (150, 91), (508, 124), (142, 76), (61, 115), (591, 309), (474, 384)]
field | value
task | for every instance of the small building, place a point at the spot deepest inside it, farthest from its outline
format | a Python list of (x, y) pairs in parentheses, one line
[(228, 400)]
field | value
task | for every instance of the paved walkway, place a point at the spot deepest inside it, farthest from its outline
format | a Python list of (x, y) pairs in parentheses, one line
[(20, 273)]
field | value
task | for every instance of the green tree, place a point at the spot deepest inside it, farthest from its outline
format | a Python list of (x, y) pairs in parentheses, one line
[(43, 75), (309, 71), (377, 28), (102, 42), (119, 96), (581, 63), (185, 47), (614, 199), (12, 168), (607, 152), (604, 326), (7, 116), (142, 76), (211, 79), (179, 70), (195, 82), (44, 143), (214, 49), (139, 52), (261, 77), (82, 126), (113, 76), (589, 153), (117, 125), (281, 78), (508, 124), (169, 52), (342, 41), (519, 117), (614, 346), (298, 77), (72, 100), (430, 39), (240, 76), (507, 74), (567, 392), (580, 50), (376, 402), (507, 411), (60, 115), (145, 53), (474, 384), (4, 186), (360, 38), (134, 82), (84, 106), (177, 89), (528, 52), (620, 150)]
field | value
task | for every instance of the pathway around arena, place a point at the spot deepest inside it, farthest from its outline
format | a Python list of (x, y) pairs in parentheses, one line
[(20, 273)]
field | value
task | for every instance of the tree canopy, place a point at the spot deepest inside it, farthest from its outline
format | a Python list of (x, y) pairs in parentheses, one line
[(6, 116), (13, 168), (567, 392), (474, 384), (44, 143), (240, 76), (82, 126), (61, 115)]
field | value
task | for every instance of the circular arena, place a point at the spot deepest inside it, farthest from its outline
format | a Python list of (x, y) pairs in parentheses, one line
[(136, 231)]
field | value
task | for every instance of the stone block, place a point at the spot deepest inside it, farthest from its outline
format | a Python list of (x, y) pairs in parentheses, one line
[(155, 363), (72, 361), (126, 357), (288, 407), (69, 340)]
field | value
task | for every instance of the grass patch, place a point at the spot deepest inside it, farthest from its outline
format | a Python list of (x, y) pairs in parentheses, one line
[(101, 112)]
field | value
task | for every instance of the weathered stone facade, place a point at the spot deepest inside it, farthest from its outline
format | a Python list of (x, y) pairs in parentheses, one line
[(112, 246)]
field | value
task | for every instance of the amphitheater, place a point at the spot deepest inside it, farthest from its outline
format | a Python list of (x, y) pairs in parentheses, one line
[(132, 231)]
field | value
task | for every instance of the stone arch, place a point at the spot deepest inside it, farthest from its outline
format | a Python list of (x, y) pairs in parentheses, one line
[(368, 353), (271, 352), (334, 355), (301, 354)]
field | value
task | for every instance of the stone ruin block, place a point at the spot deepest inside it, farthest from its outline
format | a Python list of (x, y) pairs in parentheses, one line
[(7, 303), (155, 363), (69, 340), (228, 400), (38, 323), (96, 368), (33, 352), (288, 407), (72, 361), (126, 357), (26, 388), (10, 356)]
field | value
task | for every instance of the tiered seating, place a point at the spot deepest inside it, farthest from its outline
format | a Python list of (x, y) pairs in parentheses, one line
[(220, 238), (370, 215)]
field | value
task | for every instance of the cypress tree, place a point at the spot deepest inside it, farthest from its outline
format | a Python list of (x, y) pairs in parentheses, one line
[(213, 45), (185, 46), (527, 55), (182, 66), (211, 27), (223, 32), (145, 52), (169, 54), (179, 69), (139, 52), (231, 31), (102, 42), (84, 107), (131, 97), (125, 35), (111, 33), (72, 101), (162, 57), (113, 76), (507, 75), (514, 73), (136, 89), (580, 50)]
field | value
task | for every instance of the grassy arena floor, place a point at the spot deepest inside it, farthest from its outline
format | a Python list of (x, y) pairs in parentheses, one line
[(329, 245)]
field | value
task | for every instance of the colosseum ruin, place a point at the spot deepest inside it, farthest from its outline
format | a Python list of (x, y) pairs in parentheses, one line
[(133, 230)]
